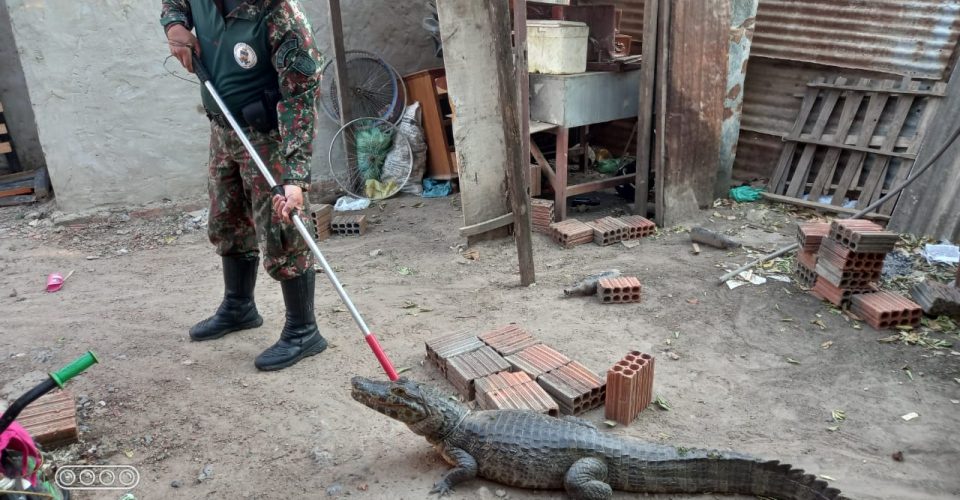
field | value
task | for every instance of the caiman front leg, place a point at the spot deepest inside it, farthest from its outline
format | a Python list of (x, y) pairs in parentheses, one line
[(464, 469), (587, 480)]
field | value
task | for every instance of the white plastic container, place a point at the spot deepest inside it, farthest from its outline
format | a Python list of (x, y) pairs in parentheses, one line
[(557, 47)]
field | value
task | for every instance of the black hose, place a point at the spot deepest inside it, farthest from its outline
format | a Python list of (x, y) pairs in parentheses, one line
[(23, 401)]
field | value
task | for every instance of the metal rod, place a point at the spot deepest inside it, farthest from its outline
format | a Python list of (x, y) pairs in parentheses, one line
[(305, 233)]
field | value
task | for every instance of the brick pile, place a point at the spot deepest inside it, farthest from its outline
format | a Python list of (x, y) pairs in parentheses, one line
[(622, 290), (604, 231), (508, 368), (848, 259), (322, 217), (638, 227), (629, 387), (805, 268), (541, 213), (811, 234), (349, 225)]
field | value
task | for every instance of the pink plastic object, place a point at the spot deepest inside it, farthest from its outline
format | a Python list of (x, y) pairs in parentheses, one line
[(54, 282), (18, 439)]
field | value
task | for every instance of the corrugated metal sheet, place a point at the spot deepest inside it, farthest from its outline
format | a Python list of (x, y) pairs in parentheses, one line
[(894, 36)]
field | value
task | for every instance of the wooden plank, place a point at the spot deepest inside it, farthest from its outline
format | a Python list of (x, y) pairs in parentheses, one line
[(851, 139), (778, 182), (10, 201), (906, 168), (696, 72), (478, 58), (5, 148), (660, 100), (853, 165), (800, 174), (16, 191), (892, 154), (828, 167), (820, 206), (645, 116), (560, 180), (514, 81), (3, 129), (589, 187), (339, 59), (937, 91), (487, 226), (878, 171)]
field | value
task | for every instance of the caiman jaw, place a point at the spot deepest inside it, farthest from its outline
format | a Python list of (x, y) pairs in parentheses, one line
[(397, 400)]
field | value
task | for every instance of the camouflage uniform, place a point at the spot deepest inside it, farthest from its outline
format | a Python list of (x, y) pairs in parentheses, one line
[(241, 211)]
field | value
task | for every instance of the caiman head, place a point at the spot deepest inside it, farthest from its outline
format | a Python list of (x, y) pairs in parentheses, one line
[(425, 409)]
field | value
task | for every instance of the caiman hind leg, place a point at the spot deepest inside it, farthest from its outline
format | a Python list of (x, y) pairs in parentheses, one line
[(464, 469), (587, 480)]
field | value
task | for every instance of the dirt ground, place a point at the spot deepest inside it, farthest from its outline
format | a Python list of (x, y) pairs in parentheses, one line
[(172, 408)]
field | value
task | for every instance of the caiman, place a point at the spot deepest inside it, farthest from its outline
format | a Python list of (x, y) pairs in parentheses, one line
[(530, 450)]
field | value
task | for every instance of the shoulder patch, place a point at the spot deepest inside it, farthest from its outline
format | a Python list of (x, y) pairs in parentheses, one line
[(304, 64), (286, 50)]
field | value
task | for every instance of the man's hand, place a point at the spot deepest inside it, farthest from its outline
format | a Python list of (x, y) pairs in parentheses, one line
[(181, 43), (290, 201)]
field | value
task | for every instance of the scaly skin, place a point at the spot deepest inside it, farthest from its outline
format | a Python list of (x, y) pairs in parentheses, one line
[(531, 450)]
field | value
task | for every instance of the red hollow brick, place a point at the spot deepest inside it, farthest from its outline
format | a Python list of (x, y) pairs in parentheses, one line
[(825, 290), (355, 225), (863, 236), (541, 214), (629, 387), (574, 387), (608, 230), (508, 340), (805, 276), (439, 350), (811, 234), (51, 420), (527, 396), (842, 258), (501, 380), (464, 369), (321, 215), (883, 310), (537, 360), (619, 290), (571, 232), (638, 227)]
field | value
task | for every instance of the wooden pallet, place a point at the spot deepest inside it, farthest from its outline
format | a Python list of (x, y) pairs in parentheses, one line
[(859, 149), (6, 147)]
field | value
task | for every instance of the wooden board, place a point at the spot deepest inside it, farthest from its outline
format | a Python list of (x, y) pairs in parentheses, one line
[(779, 180), (799, 180), (5, 148), (16, 191), (645, 118), (3, 128), (828, 166)]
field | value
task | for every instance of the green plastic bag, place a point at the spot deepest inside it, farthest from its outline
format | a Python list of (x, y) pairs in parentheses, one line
[(745, 193)]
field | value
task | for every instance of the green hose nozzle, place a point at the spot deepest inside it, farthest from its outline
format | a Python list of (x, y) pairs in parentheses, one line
[(75, 368)]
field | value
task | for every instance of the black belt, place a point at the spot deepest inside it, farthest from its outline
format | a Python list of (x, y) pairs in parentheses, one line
[(221, 119)]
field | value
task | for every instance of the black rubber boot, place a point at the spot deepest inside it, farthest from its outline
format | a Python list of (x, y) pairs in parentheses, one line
[(300, 337), (238, 311)]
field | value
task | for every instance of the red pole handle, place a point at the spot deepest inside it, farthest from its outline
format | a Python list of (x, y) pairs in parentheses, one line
[(382, 357)]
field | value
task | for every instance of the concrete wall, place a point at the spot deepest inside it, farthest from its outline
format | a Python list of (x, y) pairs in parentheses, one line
[(117, 129), (16, 101)]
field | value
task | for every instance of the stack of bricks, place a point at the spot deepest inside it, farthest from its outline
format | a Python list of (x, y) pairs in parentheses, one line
[(883, 310), (349, 225), (629, 387), (322, 217), (570, 233), (609, 230), (541, 214), (508, 368), (850, 259), (624, 290), (809, 237)]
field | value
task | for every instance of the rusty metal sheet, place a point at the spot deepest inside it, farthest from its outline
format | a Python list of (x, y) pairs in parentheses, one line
[(895, 36)]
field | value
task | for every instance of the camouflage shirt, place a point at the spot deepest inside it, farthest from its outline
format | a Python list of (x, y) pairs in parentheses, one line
[(296, 59)]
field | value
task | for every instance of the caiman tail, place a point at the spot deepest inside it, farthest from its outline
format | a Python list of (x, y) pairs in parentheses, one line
[(702, 471)]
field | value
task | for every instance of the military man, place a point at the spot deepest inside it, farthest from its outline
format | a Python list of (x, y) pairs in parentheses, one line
[(264, 64)]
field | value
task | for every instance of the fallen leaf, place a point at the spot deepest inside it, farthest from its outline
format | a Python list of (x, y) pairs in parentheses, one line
[(404, 271), (409, 305), (792, 361), (418, 205), (856, 326), (674, 356), (128, 453), (819, 323), (838, 415), (610, 423), (471, 255), (833, 428), (827, 344), (889, 340), (338, 310), (662, 403), (404, 369), (957, 380)]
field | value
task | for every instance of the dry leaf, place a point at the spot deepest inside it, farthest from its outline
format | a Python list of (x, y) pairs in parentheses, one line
[(827, 344)]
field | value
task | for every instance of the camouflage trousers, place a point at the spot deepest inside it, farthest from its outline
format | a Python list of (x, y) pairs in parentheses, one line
[(242, 220)]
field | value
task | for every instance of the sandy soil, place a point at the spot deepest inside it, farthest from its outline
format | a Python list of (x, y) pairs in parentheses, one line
[(172, 407)]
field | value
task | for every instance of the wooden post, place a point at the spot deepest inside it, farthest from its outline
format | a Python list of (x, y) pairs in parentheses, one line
[(339, 60), (648, 84), (482, 85), (519, 175)]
